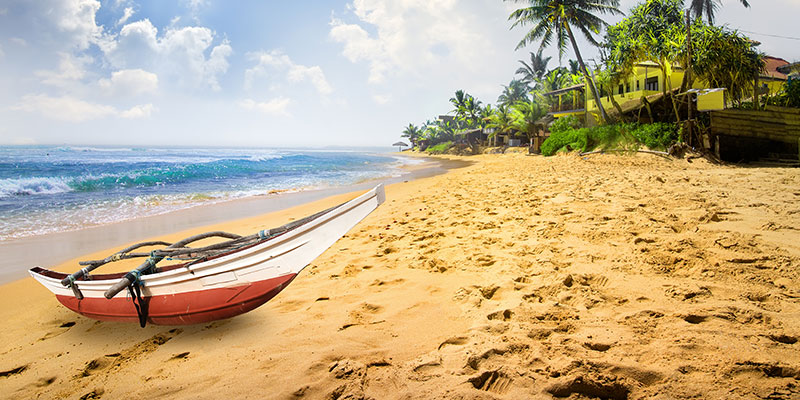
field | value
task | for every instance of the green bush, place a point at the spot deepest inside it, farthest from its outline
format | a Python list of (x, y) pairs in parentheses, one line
[(789, 96), (568, 123), (617, 136), (440, 148), (657, 136)]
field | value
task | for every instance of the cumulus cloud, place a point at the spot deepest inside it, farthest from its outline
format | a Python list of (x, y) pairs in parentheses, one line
[(411, 36), (140, 111), (126, 15), (277, 106), (70, 70), (76, 20), (277, 63), (70, 109), (130, 82), (179, 53)]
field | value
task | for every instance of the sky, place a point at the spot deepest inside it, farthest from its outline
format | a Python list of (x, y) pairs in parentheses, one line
[(267, 73)]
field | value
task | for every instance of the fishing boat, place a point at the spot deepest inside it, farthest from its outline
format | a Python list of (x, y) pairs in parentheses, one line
[(209, 283)]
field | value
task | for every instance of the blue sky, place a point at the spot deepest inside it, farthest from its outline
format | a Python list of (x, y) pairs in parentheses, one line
[(268, 73)]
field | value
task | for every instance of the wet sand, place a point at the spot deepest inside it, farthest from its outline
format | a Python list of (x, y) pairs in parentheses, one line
[(515, 277)]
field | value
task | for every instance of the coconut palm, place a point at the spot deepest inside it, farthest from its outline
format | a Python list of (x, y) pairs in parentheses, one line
[(708, 8), (574, 68), (501, 121), (553, 19), (555, 79), (533, 71), (524, 115), (413, 133), (466, 108), (514, 92)]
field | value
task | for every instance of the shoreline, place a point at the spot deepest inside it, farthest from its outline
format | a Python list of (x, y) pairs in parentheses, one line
[(25, 253)]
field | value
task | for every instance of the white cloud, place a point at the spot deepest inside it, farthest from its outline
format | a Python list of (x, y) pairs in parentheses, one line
[(64, 108), (278, 63), (277, 106), (77, 20), (381, 98), (130, 82), (70, 70), (412, 36), (18, 41), (140, 111), (180, 53), (126, 15), (70, 109)]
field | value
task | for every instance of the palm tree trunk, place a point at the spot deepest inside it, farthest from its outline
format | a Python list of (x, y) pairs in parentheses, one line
[(592, 85)]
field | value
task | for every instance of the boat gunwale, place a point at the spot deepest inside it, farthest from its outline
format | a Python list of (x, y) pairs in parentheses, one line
[(44, 275)]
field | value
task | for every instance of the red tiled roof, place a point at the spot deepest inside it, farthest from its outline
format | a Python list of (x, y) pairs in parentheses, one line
[(771, 65)]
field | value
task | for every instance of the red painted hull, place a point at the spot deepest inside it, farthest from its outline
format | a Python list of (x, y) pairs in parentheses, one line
[(183, 308)]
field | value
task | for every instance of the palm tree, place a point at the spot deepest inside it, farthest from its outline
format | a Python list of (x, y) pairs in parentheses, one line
[(514, 92), (708, 8), (533, 71), (555, 18), (574, 68), (524, 115), (466, 108), (501, 120), (413, 133), (555, 79)]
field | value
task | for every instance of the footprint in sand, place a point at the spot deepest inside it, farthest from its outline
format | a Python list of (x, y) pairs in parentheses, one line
[(492, 381), (13, 371), (454, 341), (62, 329)]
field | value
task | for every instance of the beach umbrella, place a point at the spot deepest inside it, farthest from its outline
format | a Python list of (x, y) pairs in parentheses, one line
[(400, 145)]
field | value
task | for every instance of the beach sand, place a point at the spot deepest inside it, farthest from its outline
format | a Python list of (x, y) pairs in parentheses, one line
[(515, 277)]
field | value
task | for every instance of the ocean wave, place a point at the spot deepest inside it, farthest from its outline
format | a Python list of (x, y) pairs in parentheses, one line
[(32, 186)]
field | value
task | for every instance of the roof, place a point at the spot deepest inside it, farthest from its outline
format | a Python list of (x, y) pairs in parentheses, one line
[(771, 65), (547, 120), (788, 69), (636, 103), (564, 90)]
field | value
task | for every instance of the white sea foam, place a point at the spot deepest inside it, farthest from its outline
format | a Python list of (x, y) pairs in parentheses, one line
[(32, 186)]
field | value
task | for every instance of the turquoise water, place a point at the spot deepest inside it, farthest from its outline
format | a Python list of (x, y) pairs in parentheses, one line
[(54, 189)]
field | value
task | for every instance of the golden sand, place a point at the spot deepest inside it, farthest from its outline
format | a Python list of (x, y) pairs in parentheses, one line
[(516, 277)]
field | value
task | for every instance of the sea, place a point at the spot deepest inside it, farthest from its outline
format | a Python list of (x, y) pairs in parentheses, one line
[(45, 189)]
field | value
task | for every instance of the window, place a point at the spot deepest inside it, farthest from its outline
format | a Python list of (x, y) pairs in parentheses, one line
[(621, 89), (628, 87), (651, 83), (637, 85)]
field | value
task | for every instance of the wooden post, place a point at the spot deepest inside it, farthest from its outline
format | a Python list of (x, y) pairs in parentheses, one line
[(688, 71), (690, 123), (755, 92)]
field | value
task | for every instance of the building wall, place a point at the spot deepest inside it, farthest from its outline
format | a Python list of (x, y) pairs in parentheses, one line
[(637, 86)]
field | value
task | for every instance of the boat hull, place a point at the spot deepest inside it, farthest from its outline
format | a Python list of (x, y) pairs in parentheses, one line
[(218, 287), (182, 308)]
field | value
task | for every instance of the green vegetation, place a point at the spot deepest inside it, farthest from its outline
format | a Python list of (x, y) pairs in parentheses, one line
[(789, 96), (708, 8), (566, 134), (555, 18), (440, 148), (655, 30)]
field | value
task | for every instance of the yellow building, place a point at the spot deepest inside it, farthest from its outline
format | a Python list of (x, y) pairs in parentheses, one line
[(647, 79)]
